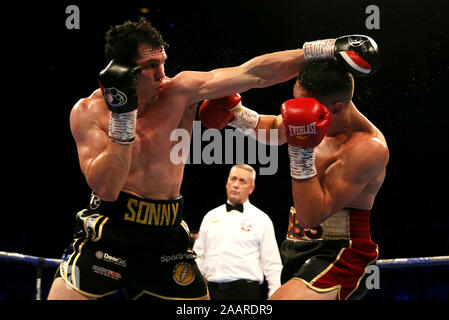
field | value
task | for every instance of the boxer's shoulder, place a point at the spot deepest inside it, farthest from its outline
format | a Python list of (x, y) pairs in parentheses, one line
[(180, 82), (365, 152), (367, 142), (176, 91), (191, 81), (90, 109), (91, 104)]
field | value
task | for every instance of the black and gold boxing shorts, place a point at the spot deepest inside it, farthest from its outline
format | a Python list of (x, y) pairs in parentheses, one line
[(133, 244), (333, 255)]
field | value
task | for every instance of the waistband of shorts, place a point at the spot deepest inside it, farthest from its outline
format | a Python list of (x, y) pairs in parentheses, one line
[(347, 224), (129, 208)]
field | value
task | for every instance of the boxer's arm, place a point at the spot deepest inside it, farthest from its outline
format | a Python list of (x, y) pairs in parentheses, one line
[(259, 72), (105, 164), (267, 123), (343, 181), (229, 110)]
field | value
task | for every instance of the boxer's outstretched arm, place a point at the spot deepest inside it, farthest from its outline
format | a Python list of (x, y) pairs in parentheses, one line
[(259, 72), (359, 54), (217, 113)]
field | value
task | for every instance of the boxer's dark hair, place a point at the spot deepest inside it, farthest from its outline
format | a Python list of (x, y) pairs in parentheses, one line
[(325, 78), (122, 40)]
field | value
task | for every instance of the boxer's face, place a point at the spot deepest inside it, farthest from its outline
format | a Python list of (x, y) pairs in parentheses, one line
[(239, 185), (298, 91), (151, 80)]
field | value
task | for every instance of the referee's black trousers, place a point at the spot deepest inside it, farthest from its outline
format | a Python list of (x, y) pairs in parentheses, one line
[(235, 290)]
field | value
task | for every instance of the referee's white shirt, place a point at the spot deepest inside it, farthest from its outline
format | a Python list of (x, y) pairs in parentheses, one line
[(234, 245)]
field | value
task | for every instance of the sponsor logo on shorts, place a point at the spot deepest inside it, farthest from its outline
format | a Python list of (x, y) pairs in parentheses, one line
[(295, 231), (179, 256), (108, 258), (183, 274), (106, 272)]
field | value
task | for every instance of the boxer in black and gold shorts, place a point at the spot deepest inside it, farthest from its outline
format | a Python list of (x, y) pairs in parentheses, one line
[(134, 244), (331, 255)]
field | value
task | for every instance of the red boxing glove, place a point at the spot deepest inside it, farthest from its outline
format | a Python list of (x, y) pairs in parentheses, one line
[(306, 122), (216, 114)]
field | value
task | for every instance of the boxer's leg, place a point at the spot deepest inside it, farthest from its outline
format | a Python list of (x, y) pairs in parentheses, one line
[(296, 289), (61, 291)]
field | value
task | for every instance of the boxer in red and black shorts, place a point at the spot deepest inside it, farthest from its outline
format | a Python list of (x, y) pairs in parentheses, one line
[(338, 160), (332, 255)]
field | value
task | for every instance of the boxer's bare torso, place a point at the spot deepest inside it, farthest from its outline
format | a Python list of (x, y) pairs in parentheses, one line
[(334, 152), (351, 166), (151, 174)]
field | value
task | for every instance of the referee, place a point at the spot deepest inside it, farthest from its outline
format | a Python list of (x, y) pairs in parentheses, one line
[(236, 244)]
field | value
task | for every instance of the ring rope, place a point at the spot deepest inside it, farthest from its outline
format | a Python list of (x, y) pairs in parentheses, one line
[(29, 260), (382, 263), (41, 262), (413, 262)]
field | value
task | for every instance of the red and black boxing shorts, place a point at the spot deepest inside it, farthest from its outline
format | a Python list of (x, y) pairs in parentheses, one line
[(139, 246), (333, 255)]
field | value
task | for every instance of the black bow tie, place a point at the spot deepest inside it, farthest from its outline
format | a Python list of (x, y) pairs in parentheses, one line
[(238, 207)]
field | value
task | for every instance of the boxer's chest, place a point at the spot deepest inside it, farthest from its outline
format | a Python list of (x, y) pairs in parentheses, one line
[(159, 139), (328, 152)]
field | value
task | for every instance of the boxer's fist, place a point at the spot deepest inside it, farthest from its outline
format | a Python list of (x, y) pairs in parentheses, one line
[(306, 122), (217, 113), (359, 53), (118, 85)]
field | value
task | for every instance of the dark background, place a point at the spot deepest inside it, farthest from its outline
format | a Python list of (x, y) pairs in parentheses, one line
[(48, 68)]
